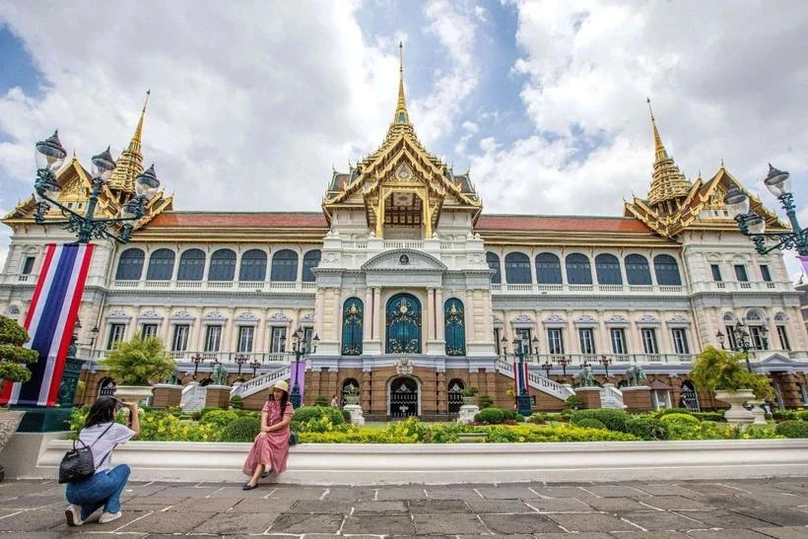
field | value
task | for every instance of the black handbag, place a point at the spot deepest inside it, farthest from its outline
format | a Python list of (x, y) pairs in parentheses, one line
[(77, 464), (293, 439)]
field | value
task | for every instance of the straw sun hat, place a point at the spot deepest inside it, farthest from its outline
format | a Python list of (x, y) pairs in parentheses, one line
[(282, 385)]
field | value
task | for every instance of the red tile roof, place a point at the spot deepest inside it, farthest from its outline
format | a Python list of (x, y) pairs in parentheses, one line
[(577, 223), (239, 220)]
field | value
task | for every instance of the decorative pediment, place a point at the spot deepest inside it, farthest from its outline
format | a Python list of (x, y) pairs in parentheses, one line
[(118, 315), (648, 319), (279, 317), (307, 319), (182, 316), (678, 320), (586, 320), (617, 319), (777, 363), (214, 317), (150, 315), (523, 321), (556, 319), (405, 260), (246, 318)]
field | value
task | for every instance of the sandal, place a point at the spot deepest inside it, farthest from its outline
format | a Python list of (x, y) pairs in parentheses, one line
[(264, 475), (248, 487)]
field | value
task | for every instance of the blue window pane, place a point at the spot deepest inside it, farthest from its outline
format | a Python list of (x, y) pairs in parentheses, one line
[(253, 266), (310, 260), (284, 266), (192, 265), (607, 268), (222, 265), (548, 269), (578, 269), (453, 317), (161, 265), (130, 265), (517, 268), (403, 321), (493, 264), (352, 319), (637, 270), (667, 271)]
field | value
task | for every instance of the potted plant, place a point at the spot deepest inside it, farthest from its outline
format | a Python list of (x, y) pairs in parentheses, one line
[(721, 372), (13, 360), (470, 395), (133, 364)]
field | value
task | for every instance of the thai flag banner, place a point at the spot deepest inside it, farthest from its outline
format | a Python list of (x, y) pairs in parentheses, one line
[(298, 375), (51, 315), (519, 377)]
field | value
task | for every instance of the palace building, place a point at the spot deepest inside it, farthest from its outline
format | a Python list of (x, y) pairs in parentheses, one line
[(416, 293)]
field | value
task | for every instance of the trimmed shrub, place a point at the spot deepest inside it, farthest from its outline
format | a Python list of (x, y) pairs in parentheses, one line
[(346, 416), (647, 428), (666, 411), (678, 418), (304, 414), (219, 418), (708, 416), (537, 419), (783, 415), (237, 402), (615, 420), (802, 415), (199, 414), (793, 428), (321, 400), (519, 418), (491, 416), (557, 433), (486, 402), (243, 429), (573, 402), (509, 415), (590, 423)]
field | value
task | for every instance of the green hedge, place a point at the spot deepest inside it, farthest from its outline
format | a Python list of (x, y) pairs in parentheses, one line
[(307, 413), (243, 429), (793, 428), (615, 420), (647, 428), (491, 416), (590, 423)]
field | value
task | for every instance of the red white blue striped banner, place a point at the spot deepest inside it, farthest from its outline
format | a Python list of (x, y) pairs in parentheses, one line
[(49, 321), (520, 378)]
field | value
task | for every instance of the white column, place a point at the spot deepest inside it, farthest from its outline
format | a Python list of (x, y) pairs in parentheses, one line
[(430, 314), (367, 315), (440, 333)]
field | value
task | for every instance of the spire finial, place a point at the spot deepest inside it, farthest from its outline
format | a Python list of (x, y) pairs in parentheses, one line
[(659, 148), (401, 116), (139, 128)]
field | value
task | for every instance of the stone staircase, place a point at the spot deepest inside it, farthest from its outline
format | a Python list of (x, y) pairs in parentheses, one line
[(193, 397), (260, 383), (538, 382), (611, 397)]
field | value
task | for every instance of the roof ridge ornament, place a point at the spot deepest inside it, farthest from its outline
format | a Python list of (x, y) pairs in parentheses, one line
[(401, 115)]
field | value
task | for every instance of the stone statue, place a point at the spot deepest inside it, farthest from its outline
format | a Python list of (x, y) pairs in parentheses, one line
[(219, 375), (585, 377), (173, 378), (635, 375)]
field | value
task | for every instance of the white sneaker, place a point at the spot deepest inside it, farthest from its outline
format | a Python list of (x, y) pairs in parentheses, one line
[(73, 515), (109, 517)]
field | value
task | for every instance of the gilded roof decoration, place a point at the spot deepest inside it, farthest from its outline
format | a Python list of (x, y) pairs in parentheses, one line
[(667, 182), (130, 163)]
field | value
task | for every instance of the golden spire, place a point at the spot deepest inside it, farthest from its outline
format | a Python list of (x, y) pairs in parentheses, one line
[(130, 163), (401, 116), (668, 184)]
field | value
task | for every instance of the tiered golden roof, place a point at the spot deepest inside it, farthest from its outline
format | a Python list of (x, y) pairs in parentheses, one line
[(130, 163), (668, 184)]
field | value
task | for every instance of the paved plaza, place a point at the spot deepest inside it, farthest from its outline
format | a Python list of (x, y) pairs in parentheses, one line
[(737, 509)]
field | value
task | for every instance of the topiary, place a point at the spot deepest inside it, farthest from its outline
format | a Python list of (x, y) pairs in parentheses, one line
[(678, 418), (615, 420), (793, 428), (237, 402), (647, 428), (509, 415), (519, 418), (573, 402), (346, 415), (491, 416), (321, 400), (590, 423), (537, 419), (243, 429), (486, 401), (13, 357)]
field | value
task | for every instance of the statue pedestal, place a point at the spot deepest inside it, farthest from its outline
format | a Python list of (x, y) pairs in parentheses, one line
[(758, 412), (217, 397), (166, 395), (737, 415), (590, 397), (356, 414), (467, 413), (637, 399)]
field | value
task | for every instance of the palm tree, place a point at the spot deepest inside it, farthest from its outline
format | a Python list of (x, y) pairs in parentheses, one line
[(138, 361)]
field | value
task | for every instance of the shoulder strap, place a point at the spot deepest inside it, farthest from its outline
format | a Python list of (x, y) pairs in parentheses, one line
[(102, 434)]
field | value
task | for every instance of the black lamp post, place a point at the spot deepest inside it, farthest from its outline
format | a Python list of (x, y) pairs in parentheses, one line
[(301, 347), (240, 359), (197, 359), (605, 361), (564, 362), (754, 226), (255, 364), (547, 366), (49, 157), (741, 340), (523, 398)]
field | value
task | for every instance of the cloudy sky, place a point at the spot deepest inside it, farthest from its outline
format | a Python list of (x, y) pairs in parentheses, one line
[(252, 103)]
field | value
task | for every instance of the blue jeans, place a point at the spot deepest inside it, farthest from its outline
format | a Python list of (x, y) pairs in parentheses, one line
[(103, 488)]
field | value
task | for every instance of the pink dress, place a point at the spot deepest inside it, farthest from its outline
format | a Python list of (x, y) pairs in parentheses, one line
[(271, 450)]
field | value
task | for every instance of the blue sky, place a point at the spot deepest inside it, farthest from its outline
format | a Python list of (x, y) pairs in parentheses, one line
[(543, 101)]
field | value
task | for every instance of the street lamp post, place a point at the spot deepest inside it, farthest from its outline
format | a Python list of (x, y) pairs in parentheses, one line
[(197, 359), (605, 361), (255, 364), (240, 360), (564, 362), (547, 366), (301, 347), (523, 404), (753, 225), (741, 341)]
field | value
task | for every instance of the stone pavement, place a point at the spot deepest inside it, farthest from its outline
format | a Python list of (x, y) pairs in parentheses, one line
[(739, 509)]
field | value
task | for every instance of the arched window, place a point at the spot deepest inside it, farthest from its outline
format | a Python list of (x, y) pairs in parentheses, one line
[(607, 268), (403, 322), (493, 264), (455, 327), (161, 265), (192, 265), (253, 266), (637, 270), (284, 266), (548, 269), (222, 265), (667, 270), (578, 269), (130, 265), (310, 260), (517, 268), (352, 313)]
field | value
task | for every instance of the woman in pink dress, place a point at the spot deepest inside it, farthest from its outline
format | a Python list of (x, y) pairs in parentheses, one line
[(271, 447)]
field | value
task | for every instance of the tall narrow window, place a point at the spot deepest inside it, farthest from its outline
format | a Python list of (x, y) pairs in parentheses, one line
[(245, 338), (222, 265), (680, 345), (740, 273), (497, 338), (455, 327), (148, 330), (28, 265), (607, 268), (116, 332), (667, 271), (284, 266), (587, 339), (130, 265), (308, 337), (781, 333), (548, 269), (253, 266), (352, 324), (179, 343), (310, 261), (555, 341), (523, 335), (618, 336), (517, 268), (278, 335), (192, 265), (213, 338), (731, 342), (578, 269), (161, 265), (638, 272), (493, 264), (758, 340), (649, 341), (765, 273), (716, 269)]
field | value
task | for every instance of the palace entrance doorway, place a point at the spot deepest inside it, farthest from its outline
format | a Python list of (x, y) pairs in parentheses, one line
[(403, 397)]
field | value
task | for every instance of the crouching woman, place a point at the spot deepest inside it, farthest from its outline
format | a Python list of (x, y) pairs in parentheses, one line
[(270, 448), (104, 487)]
